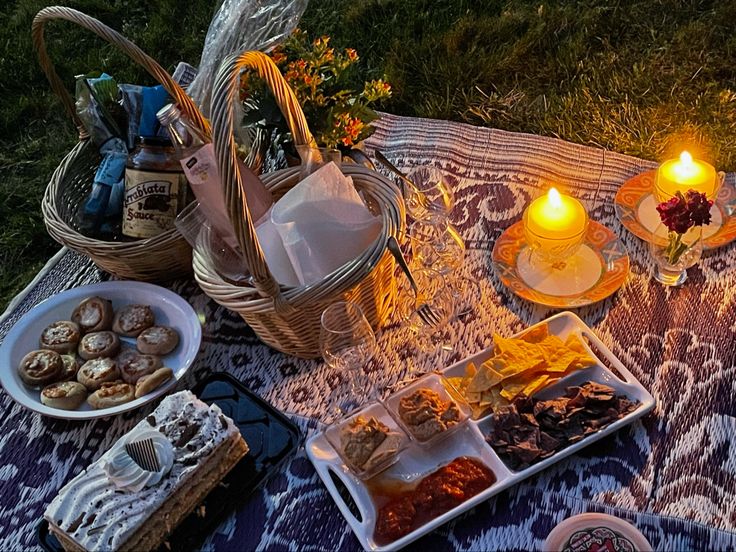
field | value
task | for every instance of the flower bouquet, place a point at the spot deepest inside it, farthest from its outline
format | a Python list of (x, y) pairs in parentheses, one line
[(683, 218), (320, 76)]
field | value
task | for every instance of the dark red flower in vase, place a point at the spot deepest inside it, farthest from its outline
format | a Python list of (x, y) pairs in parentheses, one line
[(699, 207), (675, 214)]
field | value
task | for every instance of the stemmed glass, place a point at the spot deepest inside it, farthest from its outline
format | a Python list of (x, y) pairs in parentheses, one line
[(436, 244), (436, 199), (347, 343), (433, 294)]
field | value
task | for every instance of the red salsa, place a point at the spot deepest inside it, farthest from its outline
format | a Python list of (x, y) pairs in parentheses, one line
[(403, 507)]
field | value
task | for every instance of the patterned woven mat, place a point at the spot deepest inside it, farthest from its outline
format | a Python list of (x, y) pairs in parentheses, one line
[(673, 474)]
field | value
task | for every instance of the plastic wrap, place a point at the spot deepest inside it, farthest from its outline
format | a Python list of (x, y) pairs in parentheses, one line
[(238, 26)]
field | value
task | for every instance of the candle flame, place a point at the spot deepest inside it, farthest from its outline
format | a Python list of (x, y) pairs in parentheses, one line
[(553, 196), (686, 159)]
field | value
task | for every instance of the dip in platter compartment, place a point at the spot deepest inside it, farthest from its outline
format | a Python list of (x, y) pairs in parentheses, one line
[(404, 507)]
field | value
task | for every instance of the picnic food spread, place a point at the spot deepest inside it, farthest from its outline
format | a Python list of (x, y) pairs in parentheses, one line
[(117, 504), (107, 377)]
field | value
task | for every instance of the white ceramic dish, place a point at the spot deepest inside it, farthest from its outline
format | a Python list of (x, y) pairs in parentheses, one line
[(169, 308), (417, 461)]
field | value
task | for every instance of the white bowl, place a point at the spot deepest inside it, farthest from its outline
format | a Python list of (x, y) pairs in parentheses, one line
[(169, 308)]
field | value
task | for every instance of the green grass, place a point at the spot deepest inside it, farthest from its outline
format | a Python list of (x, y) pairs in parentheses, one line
[(638, 77)]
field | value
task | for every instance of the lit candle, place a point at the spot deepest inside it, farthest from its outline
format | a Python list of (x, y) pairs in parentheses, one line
[(685, 174), (555, 224)]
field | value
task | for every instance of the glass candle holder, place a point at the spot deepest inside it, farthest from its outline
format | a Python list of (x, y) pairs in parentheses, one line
[(554, 227), (685, 174)]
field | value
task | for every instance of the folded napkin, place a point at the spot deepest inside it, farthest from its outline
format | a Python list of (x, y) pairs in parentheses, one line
[(318, 226)]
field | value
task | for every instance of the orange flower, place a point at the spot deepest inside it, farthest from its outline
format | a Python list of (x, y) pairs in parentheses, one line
[(352, 54)]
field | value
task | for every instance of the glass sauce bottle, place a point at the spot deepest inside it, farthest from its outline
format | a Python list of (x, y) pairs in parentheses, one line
[(155, 188)]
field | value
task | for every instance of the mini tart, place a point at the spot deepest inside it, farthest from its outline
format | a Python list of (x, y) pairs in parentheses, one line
[(111, 394), (131, 320), (39, 368), (67, 395), (133, 365), (148, 383), (157, 340), (97, 371), (70, 369), (94, 314), (99, 344), (61, 336)]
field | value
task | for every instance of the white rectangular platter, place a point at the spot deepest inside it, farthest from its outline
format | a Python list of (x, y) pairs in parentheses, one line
[(416, 461)]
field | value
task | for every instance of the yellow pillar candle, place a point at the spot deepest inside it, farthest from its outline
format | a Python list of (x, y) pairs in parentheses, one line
[(555, 224), (685, 174)]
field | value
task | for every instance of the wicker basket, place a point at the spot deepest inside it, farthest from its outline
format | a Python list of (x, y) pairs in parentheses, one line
[(288, 319), (158, 258)]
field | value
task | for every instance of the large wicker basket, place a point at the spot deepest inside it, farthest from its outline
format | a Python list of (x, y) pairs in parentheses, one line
[(159, 258), (289, 319)]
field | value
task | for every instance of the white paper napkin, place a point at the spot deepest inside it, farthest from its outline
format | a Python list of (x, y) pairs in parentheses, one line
[(319, 225)]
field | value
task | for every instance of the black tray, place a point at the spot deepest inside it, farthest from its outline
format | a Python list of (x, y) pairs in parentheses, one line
[(271, 438)]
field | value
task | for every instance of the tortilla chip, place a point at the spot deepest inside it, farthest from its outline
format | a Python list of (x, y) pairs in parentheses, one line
[(485, 378), (535, 335), (535, 385), (511, 389)]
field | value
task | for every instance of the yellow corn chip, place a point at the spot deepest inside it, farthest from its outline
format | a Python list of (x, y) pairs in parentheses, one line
[(457, 382), (535, 335), (511, 389), (470, 370), (485, 378), (535, 385)]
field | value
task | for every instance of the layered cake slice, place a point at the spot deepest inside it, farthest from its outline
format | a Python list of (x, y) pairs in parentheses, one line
[(136, 493)]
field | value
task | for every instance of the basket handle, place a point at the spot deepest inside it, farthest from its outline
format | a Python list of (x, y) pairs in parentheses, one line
[(116, 39), (224, 94)]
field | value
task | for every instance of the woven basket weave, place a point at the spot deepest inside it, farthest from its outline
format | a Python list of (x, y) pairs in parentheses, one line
[(289, 319), (158, 258)]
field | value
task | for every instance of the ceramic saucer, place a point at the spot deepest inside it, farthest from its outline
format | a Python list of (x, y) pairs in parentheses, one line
[(636, 209), (596, 271)]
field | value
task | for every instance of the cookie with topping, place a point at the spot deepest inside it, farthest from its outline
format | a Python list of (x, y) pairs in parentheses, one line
[(61, 336), (67, 395), (111, 394), (99, 344), (70, 369), (97, 371), (41, 367), (134, 365), (94, 314), (157, 340), (152, 381), (131, 320)]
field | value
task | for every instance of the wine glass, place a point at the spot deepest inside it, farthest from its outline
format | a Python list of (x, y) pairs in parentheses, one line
[(438, 245), (347, 343), (433, 294), (436, 196)]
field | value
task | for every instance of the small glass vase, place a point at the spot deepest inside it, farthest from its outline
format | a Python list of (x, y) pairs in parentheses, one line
[(674, 255)]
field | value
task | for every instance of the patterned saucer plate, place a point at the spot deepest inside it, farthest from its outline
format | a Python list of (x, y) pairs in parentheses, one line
[(636, 209), (595, 272)]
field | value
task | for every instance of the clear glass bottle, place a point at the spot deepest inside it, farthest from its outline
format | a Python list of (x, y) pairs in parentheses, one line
[(197, 158), (155, 188)]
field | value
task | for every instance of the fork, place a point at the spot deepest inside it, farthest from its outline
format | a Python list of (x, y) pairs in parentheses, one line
[(425, 312), (144, 454), (403, 180)]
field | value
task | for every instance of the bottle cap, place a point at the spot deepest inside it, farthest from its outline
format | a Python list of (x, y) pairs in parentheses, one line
[(168, 114)]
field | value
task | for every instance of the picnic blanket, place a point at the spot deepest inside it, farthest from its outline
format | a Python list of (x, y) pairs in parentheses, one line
[(673, 474)]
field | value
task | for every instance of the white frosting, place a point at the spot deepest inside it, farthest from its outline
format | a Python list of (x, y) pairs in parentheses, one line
[(126, 473), (98, 515), (89, 314)]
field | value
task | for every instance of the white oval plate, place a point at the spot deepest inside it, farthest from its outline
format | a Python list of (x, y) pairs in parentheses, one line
[(169, 308)]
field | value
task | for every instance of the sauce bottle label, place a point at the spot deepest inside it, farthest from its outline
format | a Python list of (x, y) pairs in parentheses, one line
[(152, 201)]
